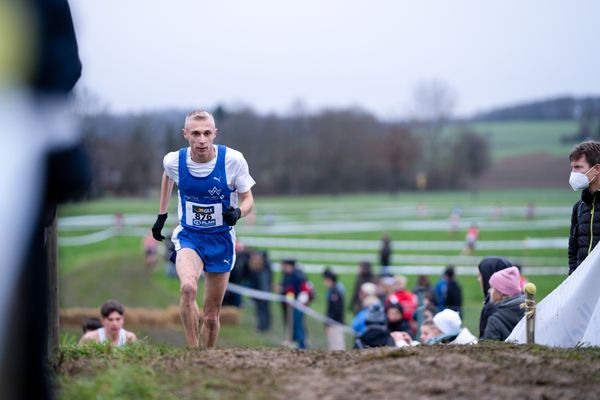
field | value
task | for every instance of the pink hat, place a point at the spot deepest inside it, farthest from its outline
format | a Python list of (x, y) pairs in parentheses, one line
[(507, 281)]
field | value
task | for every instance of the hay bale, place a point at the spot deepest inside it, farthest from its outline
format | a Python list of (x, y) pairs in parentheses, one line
[(139, 316), (173, 315), (75, 316), (230, 315)]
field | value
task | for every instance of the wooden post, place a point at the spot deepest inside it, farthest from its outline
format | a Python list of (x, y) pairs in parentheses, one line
[(53, 302), (530, 290)]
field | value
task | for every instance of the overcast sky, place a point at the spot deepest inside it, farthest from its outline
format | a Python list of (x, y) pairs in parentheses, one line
[(268, 54)]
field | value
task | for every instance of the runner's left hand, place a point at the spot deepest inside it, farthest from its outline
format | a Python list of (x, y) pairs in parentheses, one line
[(231, 215)]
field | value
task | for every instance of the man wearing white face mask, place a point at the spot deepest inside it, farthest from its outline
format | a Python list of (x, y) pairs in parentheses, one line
[(585, 224)]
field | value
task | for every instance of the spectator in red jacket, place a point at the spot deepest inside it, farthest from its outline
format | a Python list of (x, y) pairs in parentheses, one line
[(405, 298)]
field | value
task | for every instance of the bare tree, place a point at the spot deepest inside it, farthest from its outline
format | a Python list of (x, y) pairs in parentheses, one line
[(434, 102)]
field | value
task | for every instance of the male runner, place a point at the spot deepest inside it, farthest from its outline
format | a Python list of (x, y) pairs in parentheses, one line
[(208, 177)]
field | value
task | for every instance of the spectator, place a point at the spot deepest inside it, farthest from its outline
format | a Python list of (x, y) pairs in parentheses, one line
[(385, 255), (446, 328), (403, 339), (294, 284), (453, 299), (585, 168), (440, 292), (385, 287), (113, 319), (259, 277), (359, 321), (394, 314), (487, 267), (429, 312), (424, 286), (426, 311), (335, 311), (365, 274), (404, 297), (376, 333), (239, 271), (506, 293), (91, 324)]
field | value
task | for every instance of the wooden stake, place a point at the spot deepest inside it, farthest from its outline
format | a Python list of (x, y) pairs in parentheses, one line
[(530, 290)]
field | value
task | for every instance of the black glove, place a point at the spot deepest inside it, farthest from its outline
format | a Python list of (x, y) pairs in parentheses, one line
[(158, 225), (231, 215)]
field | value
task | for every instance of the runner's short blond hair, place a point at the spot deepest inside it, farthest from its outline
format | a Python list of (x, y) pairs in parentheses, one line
[(199, 115)]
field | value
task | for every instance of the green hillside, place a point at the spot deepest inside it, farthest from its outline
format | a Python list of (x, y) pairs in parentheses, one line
[(513, 138)]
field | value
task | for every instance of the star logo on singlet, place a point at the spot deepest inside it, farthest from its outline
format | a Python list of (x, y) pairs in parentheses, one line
[(214, 191)]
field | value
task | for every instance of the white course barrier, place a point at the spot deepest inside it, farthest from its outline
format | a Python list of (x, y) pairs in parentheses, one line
[(570, 315), (261, 295), (420, 269), (340, 244), (100, 236)]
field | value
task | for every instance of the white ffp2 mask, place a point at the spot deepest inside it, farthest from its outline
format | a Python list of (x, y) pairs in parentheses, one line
[(578, 181)]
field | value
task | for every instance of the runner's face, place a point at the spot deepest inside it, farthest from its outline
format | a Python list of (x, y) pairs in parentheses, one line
[(200, 134), (114, 322)]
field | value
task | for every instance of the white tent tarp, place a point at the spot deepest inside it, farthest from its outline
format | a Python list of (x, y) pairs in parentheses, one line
[(570, 315)]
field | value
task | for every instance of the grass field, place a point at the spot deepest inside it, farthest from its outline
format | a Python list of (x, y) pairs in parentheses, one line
[(113, 268), (512, 138)]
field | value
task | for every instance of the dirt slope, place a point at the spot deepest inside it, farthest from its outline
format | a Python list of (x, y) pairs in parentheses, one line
[(495, 371)]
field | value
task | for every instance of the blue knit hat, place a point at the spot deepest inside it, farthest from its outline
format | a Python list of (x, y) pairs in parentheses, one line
[(375, 315)]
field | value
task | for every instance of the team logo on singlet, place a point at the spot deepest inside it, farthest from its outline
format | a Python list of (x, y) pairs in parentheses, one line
[(214, 191)]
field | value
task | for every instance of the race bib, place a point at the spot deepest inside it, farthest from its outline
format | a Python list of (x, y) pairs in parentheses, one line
[(203, 215)]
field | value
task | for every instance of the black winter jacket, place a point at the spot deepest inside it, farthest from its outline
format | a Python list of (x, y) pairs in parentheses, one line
[(585, 228), (335, 304), (508, 313), (374, 336)]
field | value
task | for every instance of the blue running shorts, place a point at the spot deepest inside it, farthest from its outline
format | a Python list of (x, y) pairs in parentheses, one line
[(217, 250)]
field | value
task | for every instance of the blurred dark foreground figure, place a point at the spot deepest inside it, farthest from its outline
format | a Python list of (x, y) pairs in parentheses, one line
[(44, 161)]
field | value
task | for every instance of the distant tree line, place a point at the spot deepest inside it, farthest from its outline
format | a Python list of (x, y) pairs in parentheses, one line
[(585, 110), (330, 152), (559, 108)]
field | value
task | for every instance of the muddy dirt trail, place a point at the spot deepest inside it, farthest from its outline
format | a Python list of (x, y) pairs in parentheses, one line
[(468, 372)]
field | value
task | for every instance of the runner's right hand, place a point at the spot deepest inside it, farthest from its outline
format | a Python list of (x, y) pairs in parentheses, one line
[(158, 225)]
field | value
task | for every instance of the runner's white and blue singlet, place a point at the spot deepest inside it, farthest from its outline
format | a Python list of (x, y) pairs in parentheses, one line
[(205, 190), (122, 337)]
